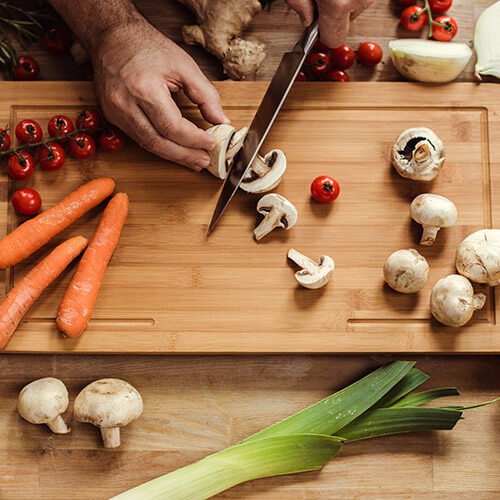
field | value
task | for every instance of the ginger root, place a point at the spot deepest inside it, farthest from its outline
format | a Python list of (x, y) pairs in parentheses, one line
[(221, 24)]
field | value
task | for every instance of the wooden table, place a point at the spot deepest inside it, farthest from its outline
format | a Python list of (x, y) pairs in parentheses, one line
[(197, 405)]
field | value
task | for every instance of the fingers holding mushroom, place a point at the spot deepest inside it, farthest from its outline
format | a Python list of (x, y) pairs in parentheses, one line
[(478, 256), (418, 154), (406, 271), (228, 142), (266, 172), (453, 301), (312, 275), (433, 212), (109, 404), (277, 212), (43, 401)]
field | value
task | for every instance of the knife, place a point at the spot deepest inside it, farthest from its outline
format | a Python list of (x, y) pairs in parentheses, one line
[(264, 117)]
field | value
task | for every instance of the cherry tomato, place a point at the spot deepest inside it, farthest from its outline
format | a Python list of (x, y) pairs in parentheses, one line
[(60, 125), (325, 189), (89, 119), (342, 57), (4, 139), (337, 75), (447, 31), (369, 54), (112, 140), (301, 77), (319, 46), (26, 201), (21, 165), (318, 63), (58, 40), (406, 2), (28, 131), (81, 146), (26, 69), (440, 6), (52, 156), (414, 18)]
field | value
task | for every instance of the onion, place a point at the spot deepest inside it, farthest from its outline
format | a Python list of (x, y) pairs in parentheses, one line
[(487, 42)]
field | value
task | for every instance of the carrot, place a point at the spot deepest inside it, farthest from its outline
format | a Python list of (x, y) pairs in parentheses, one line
[(34, 233), (80, 297), (25, 293)]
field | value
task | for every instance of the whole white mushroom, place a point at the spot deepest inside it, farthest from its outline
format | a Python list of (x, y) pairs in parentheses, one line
[(406, 271)]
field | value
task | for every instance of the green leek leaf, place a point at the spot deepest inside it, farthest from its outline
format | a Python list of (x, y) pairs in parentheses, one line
[(424, 397), (410, 382)]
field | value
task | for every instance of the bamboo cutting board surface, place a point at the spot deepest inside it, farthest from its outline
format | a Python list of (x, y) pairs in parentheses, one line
[(169, 289)]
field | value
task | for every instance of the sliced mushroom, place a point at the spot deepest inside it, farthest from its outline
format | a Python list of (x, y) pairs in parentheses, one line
[(453, 301), (406, 271), (228, 142), (43, 401), (418, 154), (433, 212), (109, 404), (312, 275), (478, 257), (277, 212), (266, 172)]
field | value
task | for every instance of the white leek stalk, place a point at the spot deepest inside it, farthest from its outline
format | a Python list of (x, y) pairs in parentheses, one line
[(487, 42), (429, 61)]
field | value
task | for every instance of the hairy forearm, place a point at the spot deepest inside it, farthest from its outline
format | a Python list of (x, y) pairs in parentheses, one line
[(90, 20)]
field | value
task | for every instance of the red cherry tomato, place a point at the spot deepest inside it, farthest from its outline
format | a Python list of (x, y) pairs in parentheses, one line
[(60, 125), (440, 6), (52, 156), (318, 63), (58, 40), (26, 69), (4, 139), (325, 189), (406, 2), (369, 54), (26, 201), (112, 140), (81, 146), (89, 119), (337, 75), (21, 165), (319, 46), (445, 30), (301, 77), (342, 57), (28, 131), (414, 18)]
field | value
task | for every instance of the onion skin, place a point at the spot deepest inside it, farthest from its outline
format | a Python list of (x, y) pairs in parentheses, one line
[(487, 42)]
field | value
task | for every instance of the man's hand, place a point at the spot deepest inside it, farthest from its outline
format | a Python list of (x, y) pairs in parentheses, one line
[(334, 17)]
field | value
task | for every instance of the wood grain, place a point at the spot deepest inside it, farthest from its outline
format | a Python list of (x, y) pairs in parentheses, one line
[(195, 406), (170, 289)]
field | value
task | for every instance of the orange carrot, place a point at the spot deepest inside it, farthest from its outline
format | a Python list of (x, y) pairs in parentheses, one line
[(34, 233), (25, 293), (80, 297)]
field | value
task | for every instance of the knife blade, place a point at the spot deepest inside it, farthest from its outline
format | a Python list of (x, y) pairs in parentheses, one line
[(264, 118)]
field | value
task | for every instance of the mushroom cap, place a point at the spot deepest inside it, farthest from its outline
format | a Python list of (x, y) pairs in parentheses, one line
[(406, 271), (478, 256), (418, 154), (433, 210), (275, 162), (268, 201), (42, 400), (108, 402), (453, 301)]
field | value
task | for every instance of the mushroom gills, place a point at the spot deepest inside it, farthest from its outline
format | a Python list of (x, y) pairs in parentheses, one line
[(413, 149)]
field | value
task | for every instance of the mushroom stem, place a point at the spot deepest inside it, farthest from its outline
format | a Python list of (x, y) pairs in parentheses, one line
[(301, 260), (58, 425), (429, 235), (268, 223), (494, 283), (110, 437), (478, 301), (259, 166)]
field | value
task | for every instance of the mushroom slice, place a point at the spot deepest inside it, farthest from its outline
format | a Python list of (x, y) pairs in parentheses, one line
[(277, 212), (478, 257), (43, 401), (228, 142), (266, 172), (418, 154), (453, 300), (312, 275), (433, 212), (109, 404), (406, 271)]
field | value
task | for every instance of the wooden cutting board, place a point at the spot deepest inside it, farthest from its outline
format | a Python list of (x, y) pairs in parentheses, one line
[(170, 289)]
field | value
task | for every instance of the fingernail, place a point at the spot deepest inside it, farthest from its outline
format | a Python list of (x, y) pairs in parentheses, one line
[(226, 119), (202, 162)]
